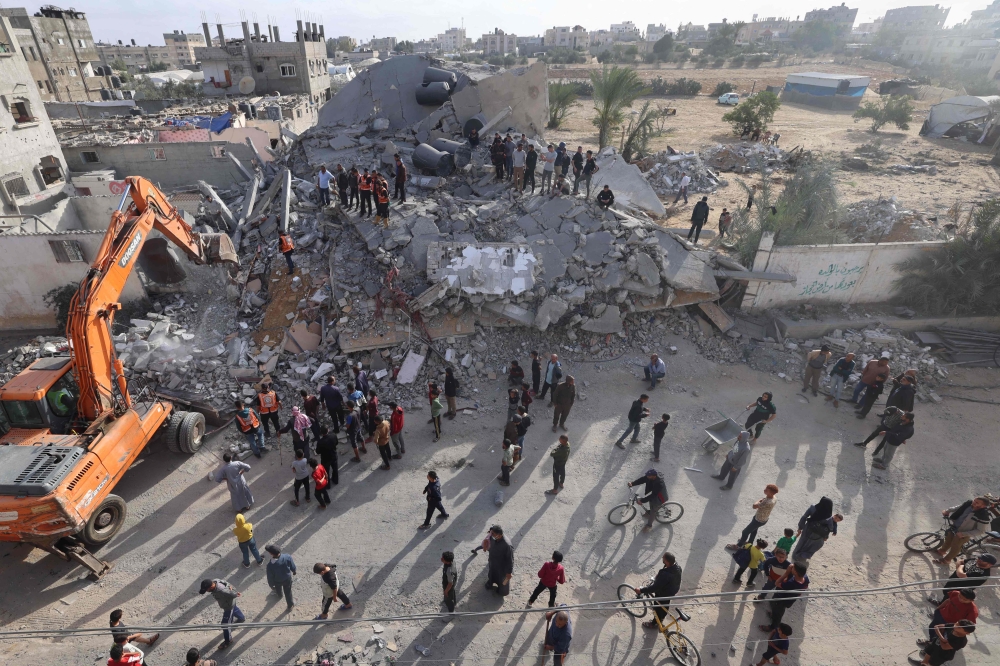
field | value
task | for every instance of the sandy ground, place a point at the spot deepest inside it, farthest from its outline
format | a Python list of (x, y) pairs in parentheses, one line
[(831, 135), (178, 533)]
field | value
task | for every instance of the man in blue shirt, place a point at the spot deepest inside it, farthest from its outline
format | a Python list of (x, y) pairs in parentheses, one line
[(656, 370), (558, 635), (280, 570)]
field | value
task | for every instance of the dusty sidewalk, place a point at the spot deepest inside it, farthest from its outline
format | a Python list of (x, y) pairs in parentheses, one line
[(178, 532)]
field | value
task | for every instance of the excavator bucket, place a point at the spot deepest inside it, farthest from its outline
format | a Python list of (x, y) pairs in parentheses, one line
[(160, 263), (218, 248)]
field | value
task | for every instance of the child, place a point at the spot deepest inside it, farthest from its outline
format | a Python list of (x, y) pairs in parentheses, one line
[(510, 450), (245, 540), (433, 492), (373, 406), (536, 372), (776, 642), (513, 399), (526, 398), (352, 423), (786, 542), (436, 409), (658, 431), (551, 574), (300, 467), (321, 483), (484, 546), (448, 579), (775, 567), (331, 588), (756, 559), (515, 373)]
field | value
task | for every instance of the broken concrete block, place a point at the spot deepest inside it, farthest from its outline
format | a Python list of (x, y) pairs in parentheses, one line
[(610, 321), (342, 142), (410, 368), (597, 245), (647, 269), (321, 372), (512, 312), (551, 309), (628, 183)]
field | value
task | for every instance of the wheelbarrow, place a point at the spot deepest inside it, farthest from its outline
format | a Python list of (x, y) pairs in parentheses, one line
[(723, 432)]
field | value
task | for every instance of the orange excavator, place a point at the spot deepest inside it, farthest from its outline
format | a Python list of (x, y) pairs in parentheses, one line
[(71, 426)]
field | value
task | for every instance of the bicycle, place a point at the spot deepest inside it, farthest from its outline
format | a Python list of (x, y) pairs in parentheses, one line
[(681, 647), (666, 513), (924, 542)]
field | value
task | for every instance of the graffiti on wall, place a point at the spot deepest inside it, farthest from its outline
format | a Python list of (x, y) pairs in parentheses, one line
[(833, 278)]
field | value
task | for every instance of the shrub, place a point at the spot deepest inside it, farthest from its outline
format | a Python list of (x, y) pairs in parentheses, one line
[(895, 110), (754, 113), (718, 62), (658, 86), (755, 60), (722, 88), (737, 62), (685, 87)]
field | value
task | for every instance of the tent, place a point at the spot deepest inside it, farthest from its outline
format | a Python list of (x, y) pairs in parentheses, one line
[(961, 109)]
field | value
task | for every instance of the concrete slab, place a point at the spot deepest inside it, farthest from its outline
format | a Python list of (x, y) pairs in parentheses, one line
[(524, 89), (440, 327), (613, 280), (646, 269), (550, 214), (342, 142), (514, 313), (628, 184), (551, 309), (684, 271), (566, 244), (416, 251), (496, 269), (529, 225), (598, 245), (411, 366), (551, 258), (610, 321)]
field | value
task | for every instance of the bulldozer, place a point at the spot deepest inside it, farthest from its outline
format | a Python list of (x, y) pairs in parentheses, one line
[(71, 426)]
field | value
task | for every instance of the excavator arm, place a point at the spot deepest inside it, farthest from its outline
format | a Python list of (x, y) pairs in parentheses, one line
[(92, 310)]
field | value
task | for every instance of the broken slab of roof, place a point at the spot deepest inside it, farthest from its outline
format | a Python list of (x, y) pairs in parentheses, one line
[(495, 269), (389, 90), (628, 184)]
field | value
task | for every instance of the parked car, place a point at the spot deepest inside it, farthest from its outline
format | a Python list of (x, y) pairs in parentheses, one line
[(730, 98)]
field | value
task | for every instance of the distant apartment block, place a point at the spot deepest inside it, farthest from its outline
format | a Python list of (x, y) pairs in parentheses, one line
[(655, 33), (181, 46), (499, 43), (841, 15), (384, 44), (575, 37), (626, 32), (452, 40), (924, 17)]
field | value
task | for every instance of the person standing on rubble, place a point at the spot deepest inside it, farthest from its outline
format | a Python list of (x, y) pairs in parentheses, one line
[(518, 162), (699, 216), (334, 401), (473, 138), (816, 361), (682, 191), (365, 186), (249, 425), (563, 162), (353, 180), (553, 373), (342, 184), (286, 247), (400, 189), (268, 406), (589, 169), (381, 200), (577, 169), (323, 179), (497, 156), (530, 162), (508, 153), (549, 167)]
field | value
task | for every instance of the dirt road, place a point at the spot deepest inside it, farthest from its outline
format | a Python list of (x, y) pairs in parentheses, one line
[(178, 533)]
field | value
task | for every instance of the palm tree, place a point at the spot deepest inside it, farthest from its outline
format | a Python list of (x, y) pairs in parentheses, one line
[(737, 26), (562, 96), (615, 90), (637, 133)]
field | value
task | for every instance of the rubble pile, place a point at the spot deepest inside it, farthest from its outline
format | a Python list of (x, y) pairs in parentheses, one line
[(870, 219), (745, 156), (665, 170)]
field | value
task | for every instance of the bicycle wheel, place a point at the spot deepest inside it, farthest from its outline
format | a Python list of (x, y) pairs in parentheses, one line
[(683, 649), (923, 542), (627, 593), (621, 514), (669, 512)]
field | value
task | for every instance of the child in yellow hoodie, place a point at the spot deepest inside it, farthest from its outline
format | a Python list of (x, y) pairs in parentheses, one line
[(756, 559), (244, 536)]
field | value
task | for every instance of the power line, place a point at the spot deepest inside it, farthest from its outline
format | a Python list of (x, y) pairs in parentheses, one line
[(612, 605)]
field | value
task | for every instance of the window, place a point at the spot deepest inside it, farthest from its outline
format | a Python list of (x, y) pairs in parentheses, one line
[(59, 40), (50, 170), (157, 154), (48, 87), (31, 49), (81, 43), (288, 70), (21, 112), (67, 251), (260, 68), (15, 187), (90, 157), (41, 86), (219, 152), (72, 71)]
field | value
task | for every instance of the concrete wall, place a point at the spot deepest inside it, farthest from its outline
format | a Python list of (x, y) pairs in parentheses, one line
[(185, 163), (850, 273), (524, 89), (82, 213), (23, 145), (311, 73), (31, 271)]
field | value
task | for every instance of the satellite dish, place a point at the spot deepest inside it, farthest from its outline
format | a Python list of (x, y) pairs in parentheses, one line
[(247, 85)]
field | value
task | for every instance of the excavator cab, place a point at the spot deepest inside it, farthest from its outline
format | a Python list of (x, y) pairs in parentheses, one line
[(39, 400)]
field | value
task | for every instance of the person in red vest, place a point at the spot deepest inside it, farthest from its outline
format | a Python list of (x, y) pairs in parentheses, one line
[(249, 425), (286, 247), (268, 404), (381, 200), (365, 185)]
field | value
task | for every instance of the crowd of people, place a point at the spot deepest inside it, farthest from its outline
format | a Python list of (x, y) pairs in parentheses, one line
[(784, 568)]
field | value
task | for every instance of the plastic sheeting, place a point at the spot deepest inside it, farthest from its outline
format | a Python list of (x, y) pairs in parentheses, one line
[(962, 109)]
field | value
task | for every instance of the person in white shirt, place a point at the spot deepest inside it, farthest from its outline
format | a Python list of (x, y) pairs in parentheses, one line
[(683, 191), (323, 179), (549, 168), (517, 160)]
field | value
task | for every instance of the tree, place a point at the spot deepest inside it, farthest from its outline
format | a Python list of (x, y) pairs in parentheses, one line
[(722, 88), (562, 96), (737, 27), (664, 44), (158, 67), (753, 114), (118, 65), (405, 46), (639, 130), (817, 36), (615, 90), (894, 109)]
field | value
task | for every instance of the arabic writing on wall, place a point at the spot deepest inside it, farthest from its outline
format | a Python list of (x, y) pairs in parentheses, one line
[(835, 277)]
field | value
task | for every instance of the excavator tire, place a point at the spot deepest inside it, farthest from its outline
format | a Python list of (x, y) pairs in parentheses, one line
[(169, 433), (105, 522), (192, 432)]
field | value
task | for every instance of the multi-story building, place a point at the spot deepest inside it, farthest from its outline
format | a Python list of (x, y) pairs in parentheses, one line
[(840, 15), (59, 49), (626, 32), (956, 48), (181, 46), (452, 40), (692, 33), (770, 29), (917, 18), (136, 58), (499, 42), (655, 33), (384, 44), (600, 40), (530, 44), (290, 68), (576, 37), (988, 18), (32, 168)]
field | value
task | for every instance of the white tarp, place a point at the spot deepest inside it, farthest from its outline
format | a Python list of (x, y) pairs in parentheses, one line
[(965, 108)]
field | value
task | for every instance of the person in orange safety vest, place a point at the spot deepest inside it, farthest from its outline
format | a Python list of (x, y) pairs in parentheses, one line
[(286, 247), (249, 425), (268, 404)]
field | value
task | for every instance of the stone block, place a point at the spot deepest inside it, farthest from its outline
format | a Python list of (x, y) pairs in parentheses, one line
[(598, 244), (551, 309), (647, 269), (609, 321)]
